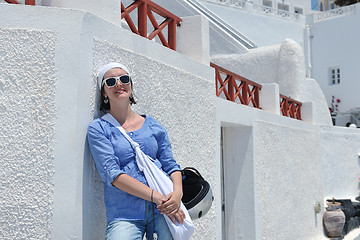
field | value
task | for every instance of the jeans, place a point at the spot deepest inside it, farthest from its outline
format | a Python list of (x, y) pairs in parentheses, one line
[(135, 229)]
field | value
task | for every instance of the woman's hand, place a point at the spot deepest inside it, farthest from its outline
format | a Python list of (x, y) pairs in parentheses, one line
[(172, 203), (171, 206), (179, 216)]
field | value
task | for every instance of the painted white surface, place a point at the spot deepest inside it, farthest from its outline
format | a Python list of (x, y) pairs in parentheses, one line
[(27, 113), (110, 10), (67, 191), (334, 43), (270, 98), (320, 40), (287, 165), (307, 112), (330, 41), (257, 25), (284, 65), (285, 174), (238, 174), (293, 171), (346, 174), (193, 38), (288, 171)]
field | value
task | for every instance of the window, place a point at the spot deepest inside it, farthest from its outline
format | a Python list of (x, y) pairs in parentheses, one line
[(298, 10), (267, 3), (283, 10), (334, 75), (284, 7)]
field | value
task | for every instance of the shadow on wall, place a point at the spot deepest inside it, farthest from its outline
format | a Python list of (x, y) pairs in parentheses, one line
[(94, 217), (94, 212)]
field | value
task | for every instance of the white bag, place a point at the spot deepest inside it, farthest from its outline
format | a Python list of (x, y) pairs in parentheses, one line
[(159, 182)]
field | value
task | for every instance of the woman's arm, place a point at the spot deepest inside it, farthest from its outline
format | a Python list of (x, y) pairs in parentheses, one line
[(173, 199), (171, 206), (134, 187), (109, 169)]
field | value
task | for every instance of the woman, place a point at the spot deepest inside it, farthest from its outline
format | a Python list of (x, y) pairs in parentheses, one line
[(129, 201)]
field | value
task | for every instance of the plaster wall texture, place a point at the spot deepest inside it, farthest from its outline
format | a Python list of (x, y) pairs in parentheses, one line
[(288, 181), (107, 9), (337, 50), (78, 43), (285, 172), (288, 174), (341, 162), (27, 113), (72, 46), (284, 65), (238, 175), (286, 168), (193, 39)]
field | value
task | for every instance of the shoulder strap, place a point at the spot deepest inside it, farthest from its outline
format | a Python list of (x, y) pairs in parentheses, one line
[(109, 118)]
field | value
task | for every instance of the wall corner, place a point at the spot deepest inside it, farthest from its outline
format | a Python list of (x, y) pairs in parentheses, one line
[(193, 38), (270, 98), (307, 112)]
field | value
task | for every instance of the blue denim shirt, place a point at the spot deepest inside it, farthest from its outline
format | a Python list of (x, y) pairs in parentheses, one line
[(114, 155)]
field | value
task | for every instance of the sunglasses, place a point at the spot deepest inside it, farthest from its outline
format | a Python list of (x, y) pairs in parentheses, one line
[(111, 82)]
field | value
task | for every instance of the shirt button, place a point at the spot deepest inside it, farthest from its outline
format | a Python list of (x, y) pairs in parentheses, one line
[(131, 133), (105, 168)]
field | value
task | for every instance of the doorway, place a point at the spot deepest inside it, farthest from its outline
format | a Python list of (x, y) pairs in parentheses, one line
[(237, 174)]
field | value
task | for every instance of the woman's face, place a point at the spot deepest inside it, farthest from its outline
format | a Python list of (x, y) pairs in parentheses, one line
[(119, 92)]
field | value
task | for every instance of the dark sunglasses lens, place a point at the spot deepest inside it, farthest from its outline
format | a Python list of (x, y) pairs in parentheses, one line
[(110, 82), (125, 79)]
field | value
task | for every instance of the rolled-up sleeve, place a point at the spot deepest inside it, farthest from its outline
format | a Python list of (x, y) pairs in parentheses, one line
[(102, 151)]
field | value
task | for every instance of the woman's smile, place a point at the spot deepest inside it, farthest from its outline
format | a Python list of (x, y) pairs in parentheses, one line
[(121, 90)]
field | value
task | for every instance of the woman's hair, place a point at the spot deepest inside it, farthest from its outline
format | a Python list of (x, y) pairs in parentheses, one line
[(106, 106)]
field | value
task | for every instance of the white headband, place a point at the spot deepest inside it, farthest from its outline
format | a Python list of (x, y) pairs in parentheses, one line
[(105, 68)]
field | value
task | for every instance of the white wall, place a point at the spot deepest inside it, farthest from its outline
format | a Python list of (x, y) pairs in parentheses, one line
[(48, 96), (284, 65), (255, 25), (50, 58), (109, 10), (238, 176), (334, 43), (27, 148), (284, 173), (292, 166), (346, 173)]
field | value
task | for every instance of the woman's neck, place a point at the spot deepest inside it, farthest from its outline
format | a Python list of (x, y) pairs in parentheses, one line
[(121, 112)]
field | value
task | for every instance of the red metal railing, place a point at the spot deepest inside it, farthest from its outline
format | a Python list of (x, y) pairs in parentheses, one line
[(290, 107), (145, 10), (27, 2), (236, 88)]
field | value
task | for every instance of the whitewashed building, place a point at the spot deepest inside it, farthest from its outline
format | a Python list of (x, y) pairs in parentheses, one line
[(329, 40), (267, 170)]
